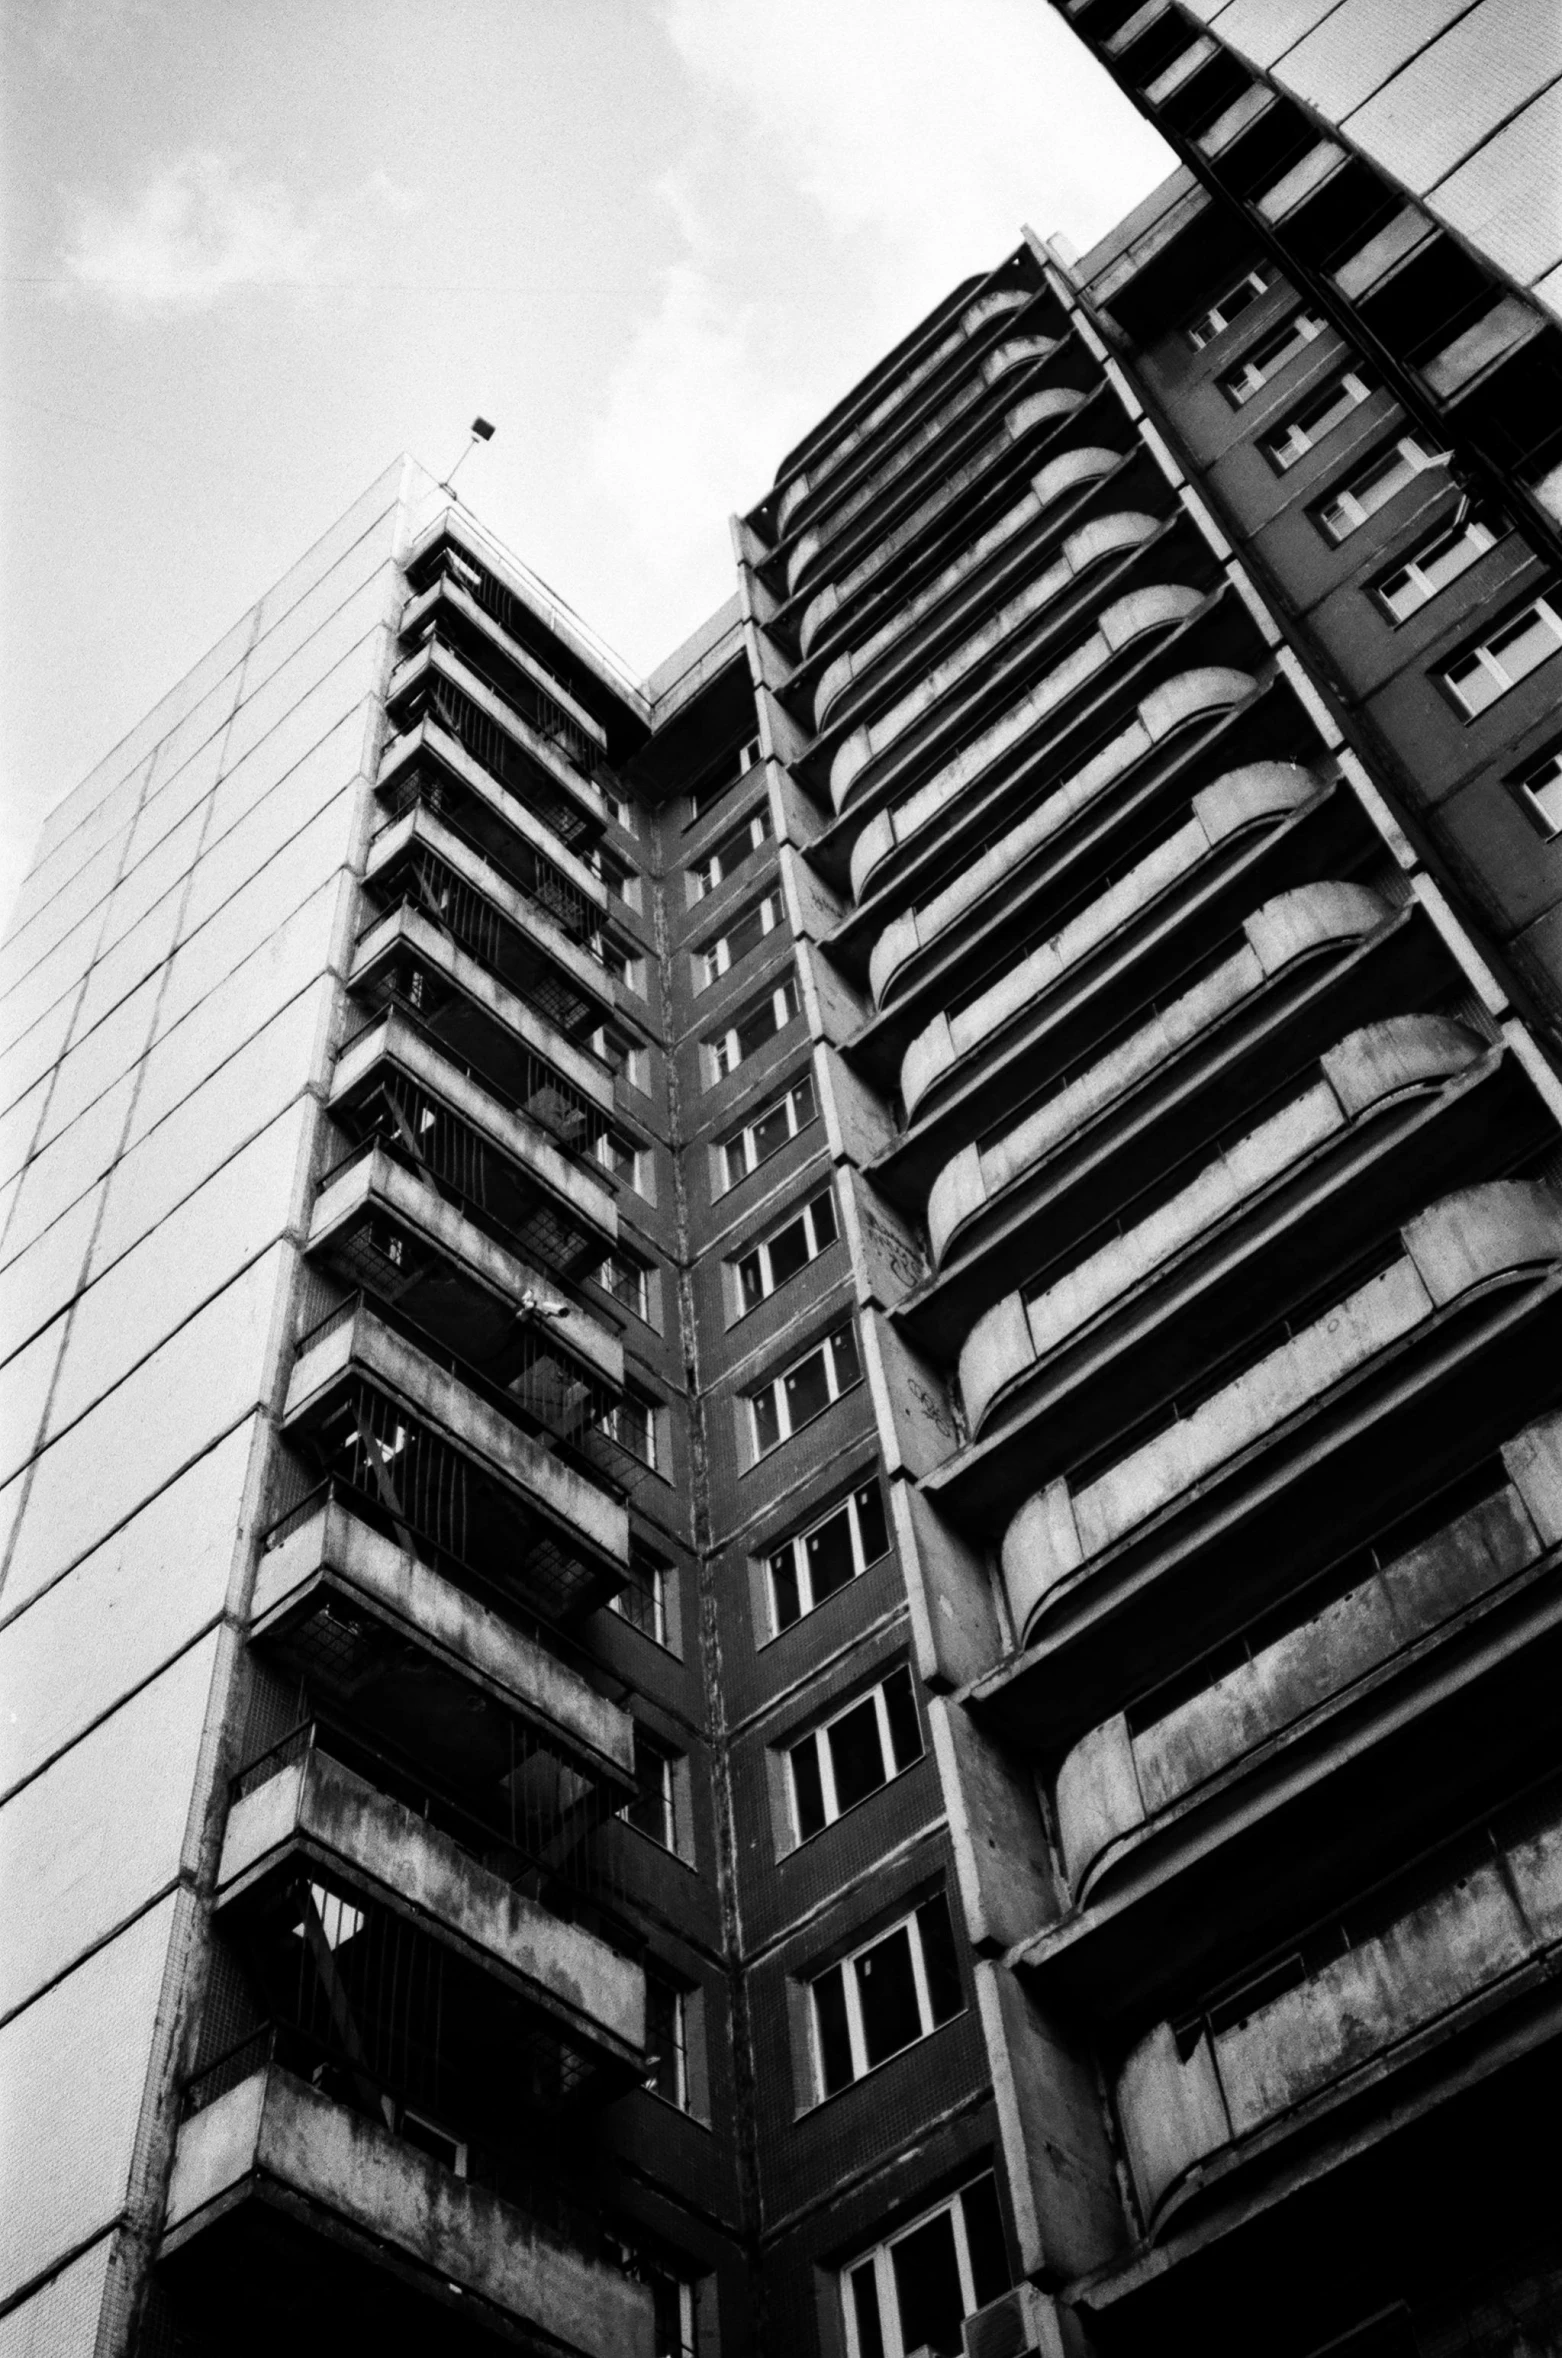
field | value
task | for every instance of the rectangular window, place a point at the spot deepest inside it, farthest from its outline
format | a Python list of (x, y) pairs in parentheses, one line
[(623, 811), (629, 1058), (1266, 359), (643, 1599), (622, 883), (822, 1559), (628, 1281), (667, 2040), (1489, 670), (722, 775), (632, 1424), (766, 1132), (805, 1390), (730, 854), (744, 934), (1539, 789), (629, 1164), (653, 1810), (915, 2290), (801, 1239), (834, 1767), (622, 964), (1229, 306), (898, 1988), (1289, 443), (751, 1028), (1435, 564), (1347, 509)]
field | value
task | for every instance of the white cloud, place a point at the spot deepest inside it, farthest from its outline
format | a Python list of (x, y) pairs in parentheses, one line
[(202, 227)]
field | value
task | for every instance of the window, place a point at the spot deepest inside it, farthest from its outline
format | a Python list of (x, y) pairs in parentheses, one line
[(632, 1424), (667, 2040), (722, 775), (745, 933), (780, 1255), (898, 1988), (1292, 441), (804, 1391), (766, 1132), (915, 2291), (622, 883), (629, 1058), (1229, 306), (629, 1164), (730, 853), (751, 1028), (1347, 509), (623, 810), (654, 1810), (826, 1556), (622, 964), (1435, 564), (629, 1283), (1539, 789), (644, 1600), (1499, 663), (672, 2305), (1254, 370), (853, 1754)]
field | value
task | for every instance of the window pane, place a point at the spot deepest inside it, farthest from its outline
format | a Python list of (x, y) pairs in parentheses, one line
[(856, 1755), (746, 935), (870, 1524), (770, 1132), (984, 2241), (1449, 558), (783, 1588), (1473, 684), (1527, 644), (835, 2052), (807, 1789), (736, 1156), (927, 2287), (767, 1422), (843, 1343), (750, 1286), (938, 1960), (803, 1107), (824, 1221), (788, 1251), (865, 2310), (830, 1563), (904, 1733), (888, 1992), (807, 1391), (663, 2036)]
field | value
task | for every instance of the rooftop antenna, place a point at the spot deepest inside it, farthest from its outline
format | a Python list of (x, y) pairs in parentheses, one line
[(481, 431)]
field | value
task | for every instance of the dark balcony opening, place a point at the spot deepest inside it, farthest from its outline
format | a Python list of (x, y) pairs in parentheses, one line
[(1513, 419), (1415, 309), (515, 686), (426, 786), (417, 878), (1350, 204), (1157, 47), (439, 700), (1218, 83), (1265, 151)]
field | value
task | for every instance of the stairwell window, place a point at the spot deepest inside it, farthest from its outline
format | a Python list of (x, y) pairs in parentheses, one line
[(660, 1809), (729, 855), (1496, 664), (805, 1390), (1539, 791), (1266, 359), (853, 1755), (646, 1600), (633, 1423), (629, 1283), (826, 1556), (755, 1275), (1347, 508), (1229, 306), (899, 1987), (744, 934), (915, 2290), (1434, 565), (765, 1133), (750, 1029), (1288, 444)]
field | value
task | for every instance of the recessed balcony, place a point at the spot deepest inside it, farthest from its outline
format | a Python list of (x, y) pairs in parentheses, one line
[(1480, 349), (439, 708), (289, 2206), (395, 1080), (465, 607)]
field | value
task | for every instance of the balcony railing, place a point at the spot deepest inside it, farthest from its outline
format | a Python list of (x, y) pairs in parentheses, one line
[(417, 878), (544, 713), (535, 877), (494, 750)]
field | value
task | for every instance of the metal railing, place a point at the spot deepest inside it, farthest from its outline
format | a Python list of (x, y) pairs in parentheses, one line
[(495, 751), (554, 894), (421, 880)]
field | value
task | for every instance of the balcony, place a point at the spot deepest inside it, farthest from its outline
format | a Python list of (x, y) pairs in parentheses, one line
[(1306, 179), (441, 1455), (425, 1663), (1425, 1990), (466, 607), (442, 710), (276, 2184), (1129, 1783), (1402, 241), (1482, 348), (394, 1079), (1256, 801)]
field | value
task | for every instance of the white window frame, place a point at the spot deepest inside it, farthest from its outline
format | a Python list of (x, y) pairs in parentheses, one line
[(704, 798), (623, 810), (1215, 321), (797, 1545), (629, 1058), (806, 1215), (646, 1417), (1344, 511), (1286, 445), (725, 861), (656, 1589), (1489, 662), (724, 1052), (815, 1738), (717, 958), (637, 1171), (775, 1389), (746, 1136), (666, 1793), (1475, 535), (879, 2259), (855, 2033), (1248, 376), (1533, 786), (680, 1998), (635, 1293)]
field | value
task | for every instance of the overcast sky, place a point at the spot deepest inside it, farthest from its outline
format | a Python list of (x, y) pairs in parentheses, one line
[(254, 248)]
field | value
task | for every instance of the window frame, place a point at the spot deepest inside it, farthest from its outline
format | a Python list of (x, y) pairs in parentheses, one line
[(1548, 605), (724, 1052), (717, 958), (659, 1587), (760, 1251), (759, 830), (702, 798), (647, 1414), (636, 1299), (878, 2259), (774, 1388), (746, 1131), (1404, 447), (816, 1739), (1524, 787), (1254, 370), (671, 1795), (1272, 443), (1212, 322), (678, 1993), (797, 1546), (851, 1986), (1446, 536)]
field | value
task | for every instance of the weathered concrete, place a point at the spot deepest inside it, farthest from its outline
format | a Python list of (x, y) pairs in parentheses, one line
[(273, 2132), (436, 660), (317, 1810), (429, 734)]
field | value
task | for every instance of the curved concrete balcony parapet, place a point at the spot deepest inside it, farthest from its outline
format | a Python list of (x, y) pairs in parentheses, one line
[(975, 317), (1106, 536), (1262, 792), (1368, 1067), (1192, 696), (1455, 1247), (1037, 409), (1388, 1998), (1117, 1780), (1296, 924), (1178, 703)]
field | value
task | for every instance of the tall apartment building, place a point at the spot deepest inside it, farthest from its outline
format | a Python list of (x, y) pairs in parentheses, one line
[(784, 1470)]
